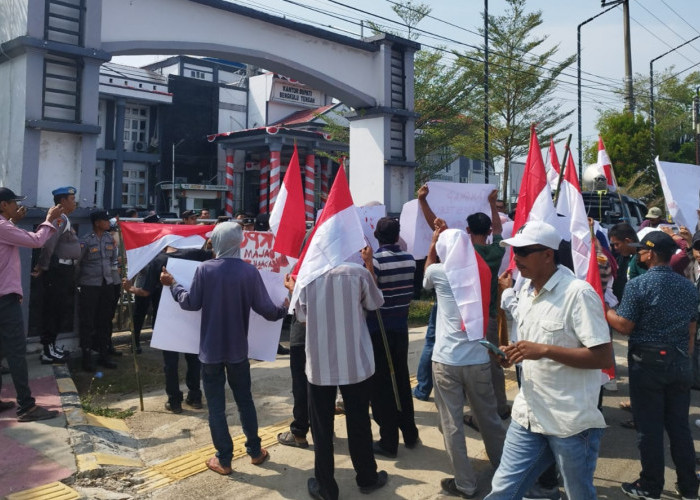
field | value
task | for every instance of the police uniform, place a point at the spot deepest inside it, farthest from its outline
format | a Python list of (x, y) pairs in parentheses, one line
[(96, 279), (57, 262)]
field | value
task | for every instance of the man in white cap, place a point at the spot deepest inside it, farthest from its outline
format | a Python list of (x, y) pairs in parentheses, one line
[(653, 218), (564, 343)]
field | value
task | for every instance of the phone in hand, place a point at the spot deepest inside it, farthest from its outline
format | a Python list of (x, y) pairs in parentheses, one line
[(494, 349)]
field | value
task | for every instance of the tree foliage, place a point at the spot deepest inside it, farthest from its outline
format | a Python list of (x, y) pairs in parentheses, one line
[(522, 80)]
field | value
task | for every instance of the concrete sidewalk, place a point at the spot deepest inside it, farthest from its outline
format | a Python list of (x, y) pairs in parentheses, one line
[(157, 454)]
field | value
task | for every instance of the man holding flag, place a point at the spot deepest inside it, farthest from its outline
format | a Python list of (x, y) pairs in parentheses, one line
[(564, 343)]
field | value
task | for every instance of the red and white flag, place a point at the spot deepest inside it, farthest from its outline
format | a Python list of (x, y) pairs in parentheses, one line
[(605, 166), (553, 168), (287, 219), (470, 280), (143, 242), (593, 278), (337, 235), (570, 205), (535, 197)]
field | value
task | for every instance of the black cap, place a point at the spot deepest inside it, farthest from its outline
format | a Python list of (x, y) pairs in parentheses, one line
[(657, 240), (388, 229), (96, 215), (153, 219), (6, 194), (262, 222), (188, 213)]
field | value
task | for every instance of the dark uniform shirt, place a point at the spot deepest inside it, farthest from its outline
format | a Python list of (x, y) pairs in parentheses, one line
[(63, 245), (98, 260), (662, 304)]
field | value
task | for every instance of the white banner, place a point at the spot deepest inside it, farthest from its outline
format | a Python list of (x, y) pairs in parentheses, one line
[(178, 330), (451, 201), (681, 185)]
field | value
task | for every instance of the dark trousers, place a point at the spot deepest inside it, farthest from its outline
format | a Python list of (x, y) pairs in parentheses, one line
[(172, 378), (58, 286), (140, 310), (424, 375), (215, 377), (95, 315), (297, 363), (384, 409), (660, 397), (13, 346), (359, 428)]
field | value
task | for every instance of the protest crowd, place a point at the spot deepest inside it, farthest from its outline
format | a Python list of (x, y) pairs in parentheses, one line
[(534, 291)]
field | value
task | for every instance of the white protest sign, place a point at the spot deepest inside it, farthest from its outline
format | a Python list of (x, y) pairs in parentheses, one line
[(681, 185), (178, 330), (450, 201), (369, 216)]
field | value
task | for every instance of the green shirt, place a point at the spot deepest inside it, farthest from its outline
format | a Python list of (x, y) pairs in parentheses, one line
[(492, 255), (634, 269)]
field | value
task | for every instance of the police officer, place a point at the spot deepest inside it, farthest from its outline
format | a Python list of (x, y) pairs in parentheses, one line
[(56, 268), (98, 259)]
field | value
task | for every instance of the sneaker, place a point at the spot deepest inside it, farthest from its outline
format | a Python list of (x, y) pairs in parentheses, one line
[(448, 484), (57, 352), (378, 450), (635, 490), (59, 349), (51, 356), (173, 407), (382, 478), (194, 403), (538, 492), (685, 497)]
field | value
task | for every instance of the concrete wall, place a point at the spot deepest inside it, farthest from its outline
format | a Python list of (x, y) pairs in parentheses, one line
[(59, 165), (12, 115)]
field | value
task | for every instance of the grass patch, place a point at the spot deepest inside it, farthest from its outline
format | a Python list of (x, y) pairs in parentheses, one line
[(95, 401), (419, 312)]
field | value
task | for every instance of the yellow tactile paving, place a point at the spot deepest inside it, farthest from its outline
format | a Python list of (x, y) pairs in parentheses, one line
[(65, 385), (114, 424), (109, 459), (51, 491)]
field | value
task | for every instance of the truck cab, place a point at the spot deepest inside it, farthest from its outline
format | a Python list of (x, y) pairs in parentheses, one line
[(611, 208)]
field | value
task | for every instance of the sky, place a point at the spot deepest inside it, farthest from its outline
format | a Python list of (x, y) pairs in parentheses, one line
[(656, 26)]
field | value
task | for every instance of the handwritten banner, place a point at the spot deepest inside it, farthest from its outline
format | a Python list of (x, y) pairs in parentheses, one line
[(256, 249)]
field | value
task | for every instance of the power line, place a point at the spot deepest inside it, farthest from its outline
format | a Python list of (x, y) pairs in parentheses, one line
[(681, 17)]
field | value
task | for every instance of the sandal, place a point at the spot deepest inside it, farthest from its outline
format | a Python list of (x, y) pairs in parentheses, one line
[(626, 405), (214, 464), (6, 405), (36, 413), (470, 421), (289, 439), (260, 459)]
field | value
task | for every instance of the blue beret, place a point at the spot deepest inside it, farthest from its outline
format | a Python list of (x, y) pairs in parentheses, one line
[(64, 190)]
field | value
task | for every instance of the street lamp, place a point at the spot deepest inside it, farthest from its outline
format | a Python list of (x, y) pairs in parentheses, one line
[(578, 79), (652, 124), (172, 191)]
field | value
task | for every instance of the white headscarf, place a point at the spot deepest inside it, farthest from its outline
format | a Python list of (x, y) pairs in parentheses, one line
[(226, 240)]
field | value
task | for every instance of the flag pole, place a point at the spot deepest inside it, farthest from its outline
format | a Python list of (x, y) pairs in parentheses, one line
[(131, 320), (389, 361), (562, 167)]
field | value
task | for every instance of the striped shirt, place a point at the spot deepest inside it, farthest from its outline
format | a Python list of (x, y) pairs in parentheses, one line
[(338, 347), (394, 270)]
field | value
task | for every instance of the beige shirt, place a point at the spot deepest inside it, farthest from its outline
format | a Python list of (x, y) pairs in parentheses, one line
[(554, 398)]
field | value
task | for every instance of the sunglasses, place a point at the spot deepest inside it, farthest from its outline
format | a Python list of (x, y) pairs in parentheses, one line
[(525, 251)]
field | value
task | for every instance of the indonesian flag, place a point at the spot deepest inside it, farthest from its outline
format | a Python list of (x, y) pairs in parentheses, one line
[(143, 242), (593, 278), (470, 280), (287, 219), (605, 166), (535, 197), (570, 204), (337, 235), (552, 166)]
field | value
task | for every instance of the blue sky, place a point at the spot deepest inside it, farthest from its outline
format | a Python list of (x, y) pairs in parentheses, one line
[(656, 27)]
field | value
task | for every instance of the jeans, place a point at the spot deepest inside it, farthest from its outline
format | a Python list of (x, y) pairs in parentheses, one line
[(214, 377), (424, 375), (660, 396), (172, 377), (13, 346), (528, 454)]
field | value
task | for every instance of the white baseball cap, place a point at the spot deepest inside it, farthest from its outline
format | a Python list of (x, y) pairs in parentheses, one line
[(534, 233)]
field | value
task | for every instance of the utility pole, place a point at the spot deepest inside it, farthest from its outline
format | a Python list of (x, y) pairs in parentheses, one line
[(696, 123), (629, 99), (486, 93)]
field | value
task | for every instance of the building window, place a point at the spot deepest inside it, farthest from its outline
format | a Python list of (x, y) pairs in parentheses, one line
[(134, 186), (197, 74), (136, 126)]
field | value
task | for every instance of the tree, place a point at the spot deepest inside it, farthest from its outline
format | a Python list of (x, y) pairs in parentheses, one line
[(521, 84), (411, 13)]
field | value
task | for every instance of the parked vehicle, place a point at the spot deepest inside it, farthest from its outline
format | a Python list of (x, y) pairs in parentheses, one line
[(611, 208)]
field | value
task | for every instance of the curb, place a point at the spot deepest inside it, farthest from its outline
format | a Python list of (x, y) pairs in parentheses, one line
[(96, 441)]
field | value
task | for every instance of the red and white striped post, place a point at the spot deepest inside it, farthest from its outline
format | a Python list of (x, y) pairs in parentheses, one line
[(309, 185), (275, 177), (229, 183), (325, 175), (264, 180)]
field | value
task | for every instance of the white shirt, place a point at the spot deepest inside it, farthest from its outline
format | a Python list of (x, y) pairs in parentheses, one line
[(452, 346), (338, 346), (554, 398)]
